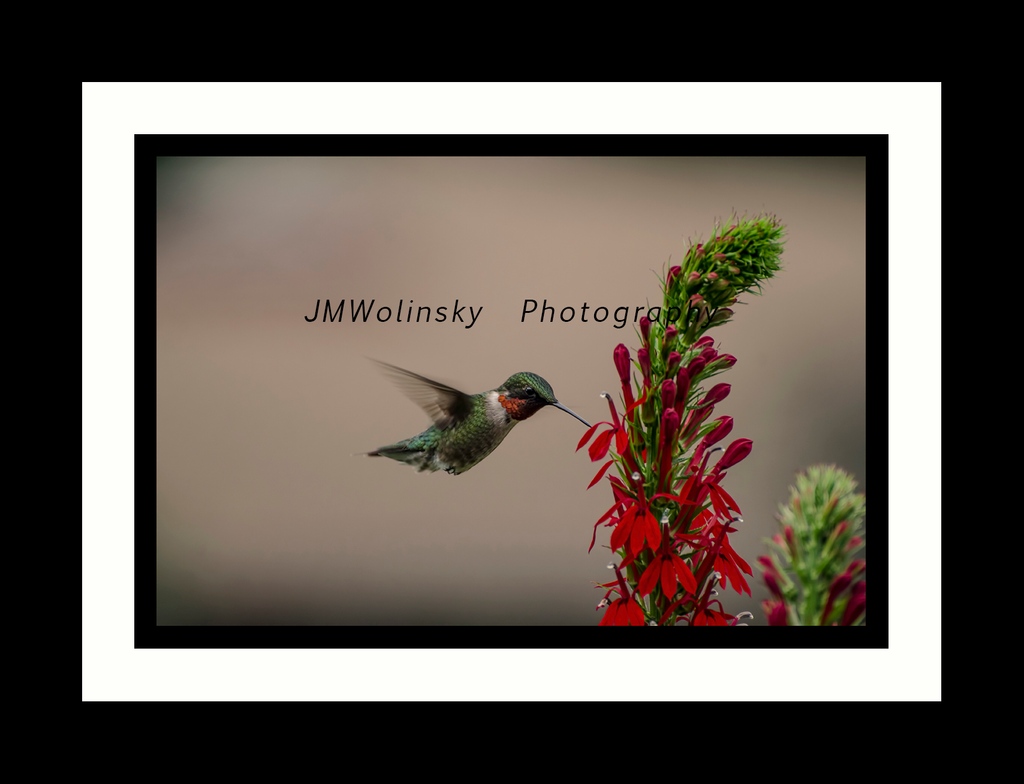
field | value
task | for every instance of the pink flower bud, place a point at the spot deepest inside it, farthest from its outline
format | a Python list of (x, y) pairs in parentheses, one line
[(695, 367), (723, 429), (673, 273), (669, 422), (668, 394), (682, 390), (725, 361), (776, 612), (707, 340), (621, 356), (670, 335), (645, 329), (669, 428), (718, 393), (672, 364), (734, 453), (643, 356)]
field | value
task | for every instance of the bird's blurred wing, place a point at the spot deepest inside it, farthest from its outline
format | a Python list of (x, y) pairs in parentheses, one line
[(445, 405)]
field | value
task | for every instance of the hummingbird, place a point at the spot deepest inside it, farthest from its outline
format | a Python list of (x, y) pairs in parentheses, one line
[(467, 428)]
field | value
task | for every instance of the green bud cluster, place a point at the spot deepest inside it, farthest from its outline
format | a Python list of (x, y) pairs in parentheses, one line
[(813, 569), (737, 259)]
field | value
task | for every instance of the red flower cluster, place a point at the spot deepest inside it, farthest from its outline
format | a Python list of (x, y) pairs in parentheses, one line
[(671, 518)]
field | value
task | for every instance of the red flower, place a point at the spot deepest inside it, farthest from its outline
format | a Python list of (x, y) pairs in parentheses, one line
[(636, 526), (668, 569), (623, 612)]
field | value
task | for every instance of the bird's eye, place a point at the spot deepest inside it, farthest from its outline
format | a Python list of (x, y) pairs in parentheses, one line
[(529, 392)]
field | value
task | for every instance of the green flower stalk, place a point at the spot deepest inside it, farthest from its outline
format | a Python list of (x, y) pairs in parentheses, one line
[(813, 572), (671, 517)]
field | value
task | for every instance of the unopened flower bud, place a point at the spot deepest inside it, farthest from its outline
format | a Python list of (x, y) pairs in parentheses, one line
[(643, 356), (670, 337), (695, 367), (725, 361), (776, 612), (721, 316), (621, 356), (645, 329), (734, 453), (719, 432), (668, 394), (682, 390), (672, 363), (718, 393)]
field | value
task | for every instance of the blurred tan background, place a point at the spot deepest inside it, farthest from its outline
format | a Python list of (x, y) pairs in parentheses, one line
[(264, 516)]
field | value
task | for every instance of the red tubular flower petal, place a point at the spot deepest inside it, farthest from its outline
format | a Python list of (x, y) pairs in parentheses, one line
[(682, 570), (733, 556), (599, 448), (645, 329), (668, 577), (636, 404), (599, 474), (589, 434), (634, 615), (623, 528), (649, 578), (638, 534), (611, 614)]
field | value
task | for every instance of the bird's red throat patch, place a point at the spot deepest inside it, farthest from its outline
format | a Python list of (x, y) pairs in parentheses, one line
[(516, 408)]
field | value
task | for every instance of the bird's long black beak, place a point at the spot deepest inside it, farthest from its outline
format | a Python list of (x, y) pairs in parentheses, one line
[(556, 404)]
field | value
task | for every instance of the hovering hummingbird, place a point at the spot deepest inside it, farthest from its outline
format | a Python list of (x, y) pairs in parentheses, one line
[(466, 428)]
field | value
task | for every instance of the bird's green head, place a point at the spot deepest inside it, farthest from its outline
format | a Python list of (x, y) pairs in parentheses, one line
[(524, 394)]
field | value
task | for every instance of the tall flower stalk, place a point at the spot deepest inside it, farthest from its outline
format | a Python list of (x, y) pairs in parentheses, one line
[(671, 517), (814, 572)]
